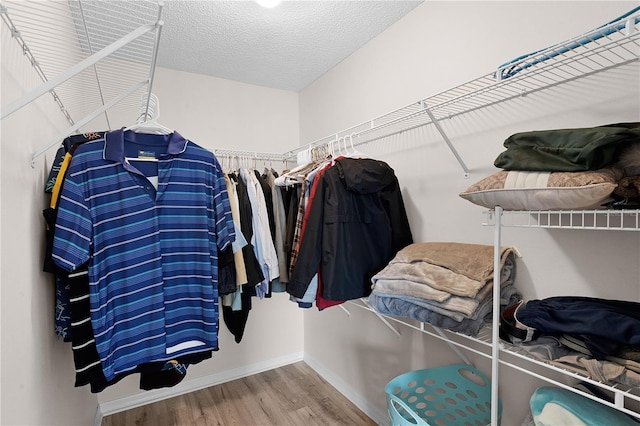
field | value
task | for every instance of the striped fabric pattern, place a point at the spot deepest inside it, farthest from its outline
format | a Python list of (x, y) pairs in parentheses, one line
[(153, 262)]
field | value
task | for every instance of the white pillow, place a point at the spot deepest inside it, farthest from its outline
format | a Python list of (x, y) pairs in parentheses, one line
[(525, 190)]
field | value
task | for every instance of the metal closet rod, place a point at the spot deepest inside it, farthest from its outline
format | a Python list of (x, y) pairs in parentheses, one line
[(253, 155)]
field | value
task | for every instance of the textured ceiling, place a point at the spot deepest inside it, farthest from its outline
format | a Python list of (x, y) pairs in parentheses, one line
[(286, 47)]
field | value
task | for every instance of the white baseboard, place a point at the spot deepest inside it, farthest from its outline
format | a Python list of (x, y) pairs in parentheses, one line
[(122, 404), (378, 416)]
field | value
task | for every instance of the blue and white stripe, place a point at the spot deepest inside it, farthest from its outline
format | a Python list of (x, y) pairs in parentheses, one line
[(153, 262)]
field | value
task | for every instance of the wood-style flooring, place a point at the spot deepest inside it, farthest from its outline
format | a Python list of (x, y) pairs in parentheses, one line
[(293, 395)]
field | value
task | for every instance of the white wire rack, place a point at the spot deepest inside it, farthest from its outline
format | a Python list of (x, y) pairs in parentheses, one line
[(232, 159), (610, 220), (482, 344), (91, 55), (609, 46)]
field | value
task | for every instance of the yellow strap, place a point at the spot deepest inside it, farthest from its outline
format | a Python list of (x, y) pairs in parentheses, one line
[(59, 178)]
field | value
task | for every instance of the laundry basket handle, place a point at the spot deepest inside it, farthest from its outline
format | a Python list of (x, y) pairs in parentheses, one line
[(418, 420)]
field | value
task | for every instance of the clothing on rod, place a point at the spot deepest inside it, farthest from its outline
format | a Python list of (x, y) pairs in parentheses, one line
[(172, 236), (151, 221), (357, 222)]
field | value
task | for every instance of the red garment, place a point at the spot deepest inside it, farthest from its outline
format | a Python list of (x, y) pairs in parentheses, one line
[(321, 303)]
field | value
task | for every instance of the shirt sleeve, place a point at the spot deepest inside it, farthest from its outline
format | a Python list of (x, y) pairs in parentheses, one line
[(310, 252), (73, 232), (225, 230)]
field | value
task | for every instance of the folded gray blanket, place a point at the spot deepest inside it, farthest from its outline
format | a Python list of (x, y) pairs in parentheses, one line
[(447, 284), (390, 305), (431, 270)]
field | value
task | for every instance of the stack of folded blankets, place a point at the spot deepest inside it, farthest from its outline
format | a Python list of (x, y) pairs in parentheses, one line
[(446, 284)]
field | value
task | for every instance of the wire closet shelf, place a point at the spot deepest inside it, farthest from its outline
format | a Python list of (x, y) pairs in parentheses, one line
[(482, 343), (89, 55), (609, 46), (610, 220)]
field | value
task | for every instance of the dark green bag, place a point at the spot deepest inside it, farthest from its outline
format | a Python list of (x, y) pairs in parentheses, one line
[(567, 150)]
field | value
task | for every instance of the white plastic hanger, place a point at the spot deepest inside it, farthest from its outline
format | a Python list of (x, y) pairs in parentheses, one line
[(149, 108), (354, 152), (147, 119), (297, 174)]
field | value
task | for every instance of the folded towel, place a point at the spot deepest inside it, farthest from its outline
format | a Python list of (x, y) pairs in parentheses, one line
[(461, 269)]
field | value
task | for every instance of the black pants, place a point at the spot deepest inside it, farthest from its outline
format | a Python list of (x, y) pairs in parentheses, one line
[(604, 325)]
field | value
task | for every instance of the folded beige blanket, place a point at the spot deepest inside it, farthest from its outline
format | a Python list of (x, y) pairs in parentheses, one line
[(461, 269)]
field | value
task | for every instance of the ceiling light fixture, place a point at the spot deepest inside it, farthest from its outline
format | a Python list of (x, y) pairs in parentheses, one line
[(268, 3)]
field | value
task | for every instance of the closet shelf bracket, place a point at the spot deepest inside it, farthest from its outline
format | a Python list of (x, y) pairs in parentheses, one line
[(70, 130), (453, 347), (452, 148), (346, 311), (398, 121), (437, 332), (380, 317), (80, 66)]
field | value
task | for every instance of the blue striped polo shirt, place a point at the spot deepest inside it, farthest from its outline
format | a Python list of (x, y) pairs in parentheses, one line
[(153, 253)]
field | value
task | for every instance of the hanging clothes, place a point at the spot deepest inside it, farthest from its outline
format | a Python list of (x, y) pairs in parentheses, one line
[(252, 266), (88, 369), (310, 184), (62, 318), (153, 249), (261, 239), (280, 221), (354, 231), (292, 200), (236, 307), (241, 269), (268, 200)]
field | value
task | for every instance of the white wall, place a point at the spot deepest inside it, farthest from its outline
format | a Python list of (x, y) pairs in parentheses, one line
[(37, 367), (437, 46)]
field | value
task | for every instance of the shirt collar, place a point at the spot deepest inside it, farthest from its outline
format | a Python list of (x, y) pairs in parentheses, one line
[(114, 144)]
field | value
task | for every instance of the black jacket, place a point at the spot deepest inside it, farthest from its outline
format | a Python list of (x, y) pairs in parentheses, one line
[(356, 224)]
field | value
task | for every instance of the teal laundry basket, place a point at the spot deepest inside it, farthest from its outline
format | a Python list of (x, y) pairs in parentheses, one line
[(445, 396)]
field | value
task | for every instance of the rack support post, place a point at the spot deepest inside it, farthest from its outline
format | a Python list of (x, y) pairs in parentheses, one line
[(495, 342)]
